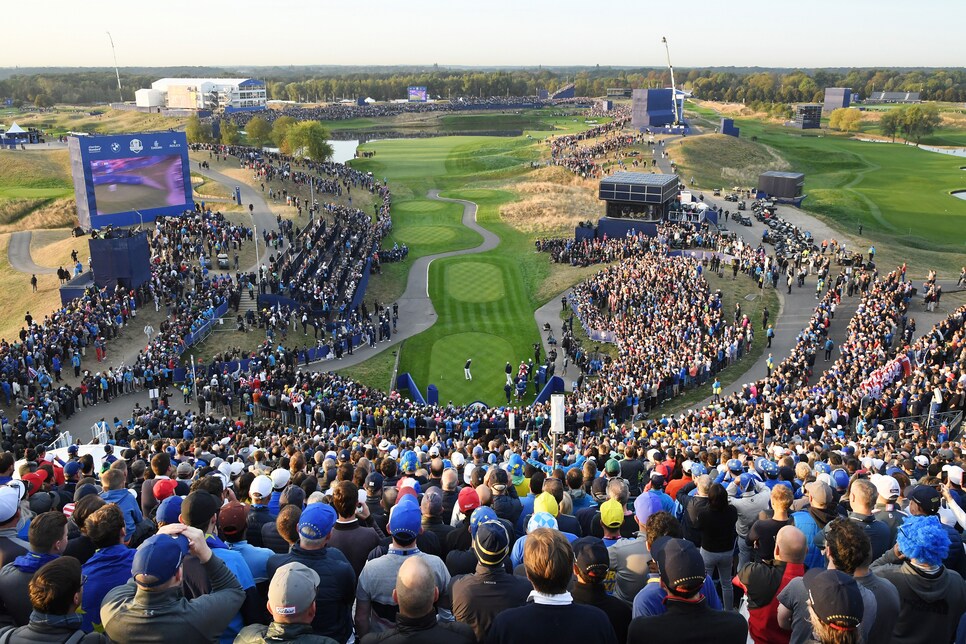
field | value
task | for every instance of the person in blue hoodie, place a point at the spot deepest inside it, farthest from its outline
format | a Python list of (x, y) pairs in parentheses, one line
[(116, 492), (48, 539), (111, 564)]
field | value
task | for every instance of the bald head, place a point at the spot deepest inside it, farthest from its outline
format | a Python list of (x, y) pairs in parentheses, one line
[(486, 494), (450, 478), (415, 590), (790, 545), (703, 484)]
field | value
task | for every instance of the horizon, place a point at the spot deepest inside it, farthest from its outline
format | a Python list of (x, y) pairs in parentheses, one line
[(540, 33)]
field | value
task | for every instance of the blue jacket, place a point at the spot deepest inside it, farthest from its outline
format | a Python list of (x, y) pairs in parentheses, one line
[(129, 506), (109, 567), (273, 503)]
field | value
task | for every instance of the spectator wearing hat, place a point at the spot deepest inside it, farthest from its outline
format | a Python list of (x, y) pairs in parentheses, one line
[(110, 565), (260, 492), (886, 507), (813, 519), (151, 608), (675, 485), (375, 608), (478, 598), (333, 599), (200, 510), (374, 485), (717, 524), (291, 603), (763, 581), (611, 520), (850, 551), (762, 534), (834, 606), (432, 510), (592, 571), (689, 618), (552, 615), (54, 593), (460, 539), (504, 502), (416, 593), (233, 529), (280, 478), (567, 522), (925, 500), (353, 533), (629, 558), (526, 503), (169, 511), (11, 546), (750, 497), (48, 538), (72, 470)]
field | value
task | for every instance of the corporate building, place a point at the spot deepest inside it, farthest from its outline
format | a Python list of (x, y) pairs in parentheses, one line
[(228, 94)]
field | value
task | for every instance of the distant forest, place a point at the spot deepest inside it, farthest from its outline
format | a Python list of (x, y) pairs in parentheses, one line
[(43, 88)]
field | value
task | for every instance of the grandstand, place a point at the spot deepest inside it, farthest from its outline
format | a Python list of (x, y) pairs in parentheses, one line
[(567, 91), (893, 97)]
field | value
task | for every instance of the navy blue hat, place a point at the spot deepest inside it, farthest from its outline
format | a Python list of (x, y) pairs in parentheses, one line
[(840, 478), (681, 565), (374, 481), (316, 521), (491, 543), (158, 559), (835, 598), (344, 455), (72, 449), (72, 468)]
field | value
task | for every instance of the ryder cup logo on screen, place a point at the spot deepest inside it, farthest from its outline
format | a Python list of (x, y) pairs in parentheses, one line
[(136, 145)]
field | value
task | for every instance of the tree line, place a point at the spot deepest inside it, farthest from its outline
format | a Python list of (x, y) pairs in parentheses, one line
[(308, 139), (741, 86)]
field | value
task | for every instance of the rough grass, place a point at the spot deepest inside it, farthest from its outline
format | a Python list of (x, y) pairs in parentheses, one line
[(553, 206), (375, 371), (53, 247), (35, 190), (79, 119), (721, 160), (18, 298)]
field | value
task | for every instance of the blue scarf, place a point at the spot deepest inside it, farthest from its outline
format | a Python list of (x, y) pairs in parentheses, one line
[(31, 562)]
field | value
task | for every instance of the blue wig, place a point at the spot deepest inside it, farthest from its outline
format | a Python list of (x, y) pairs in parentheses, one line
[(923, 538)]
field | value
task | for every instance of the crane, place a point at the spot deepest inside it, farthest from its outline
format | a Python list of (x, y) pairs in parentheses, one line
[(674, 96), (116, 72)]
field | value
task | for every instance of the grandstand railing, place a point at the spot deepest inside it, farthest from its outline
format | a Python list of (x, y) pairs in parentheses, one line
[(62, 440), (99, 435), (953, 420)]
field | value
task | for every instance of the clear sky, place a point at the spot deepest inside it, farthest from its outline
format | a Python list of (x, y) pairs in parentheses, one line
[(809, 33)]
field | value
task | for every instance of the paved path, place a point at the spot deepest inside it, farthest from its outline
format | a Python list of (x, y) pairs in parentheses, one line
[(18, 252), (416, 311)]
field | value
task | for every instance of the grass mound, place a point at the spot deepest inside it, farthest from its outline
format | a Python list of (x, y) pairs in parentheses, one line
[(721, 160)]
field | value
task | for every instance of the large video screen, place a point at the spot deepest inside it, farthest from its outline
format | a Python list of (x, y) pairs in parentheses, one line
[(417, 95), (127, 179), (138, 183)]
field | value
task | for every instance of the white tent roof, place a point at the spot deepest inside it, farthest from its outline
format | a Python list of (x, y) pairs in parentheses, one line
[(16, 129)]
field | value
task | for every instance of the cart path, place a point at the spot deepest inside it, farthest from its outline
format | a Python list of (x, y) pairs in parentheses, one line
[(18, 253)]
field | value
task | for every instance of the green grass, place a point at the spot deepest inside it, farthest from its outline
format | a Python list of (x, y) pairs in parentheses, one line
[(485, 312), (376, 371), (897, 192)]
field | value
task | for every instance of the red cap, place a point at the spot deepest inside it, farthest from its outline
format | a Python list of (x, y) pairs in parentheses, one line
[(164, 488), (468, 500)]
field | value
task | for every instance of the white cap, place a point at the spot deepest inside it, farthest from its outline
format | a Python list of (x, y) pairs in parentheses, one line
[(922, 460), (261, 486), (826, 479), (10, 496), (237, 467), (458, 459), (384, 445), (280, 478), (955, 474), (434, 451), (686, 466), (888, 487)]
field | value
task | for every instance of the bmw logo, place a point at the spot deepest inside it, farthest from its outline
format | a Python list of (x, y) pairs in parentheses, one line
[(115, 146)]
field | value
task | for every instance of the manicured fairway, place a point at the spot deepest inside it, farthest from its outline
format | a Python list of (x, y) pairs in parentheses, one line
[(894, 190)]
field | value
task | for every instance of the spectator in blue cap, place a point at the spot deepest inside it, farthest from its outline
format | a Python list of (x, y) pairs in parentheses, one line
[(374, 602), (750, 497), (169, 511), (163, 613), (334, 595)]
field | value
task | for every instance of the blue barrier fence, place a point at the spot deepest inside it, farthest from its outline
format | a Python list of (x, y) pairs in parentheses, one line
[(554, 386), (405, 381)]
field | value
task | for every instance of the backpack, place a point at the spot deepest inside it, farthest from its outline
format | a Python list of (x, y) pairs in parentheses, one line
[(7, 632)]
